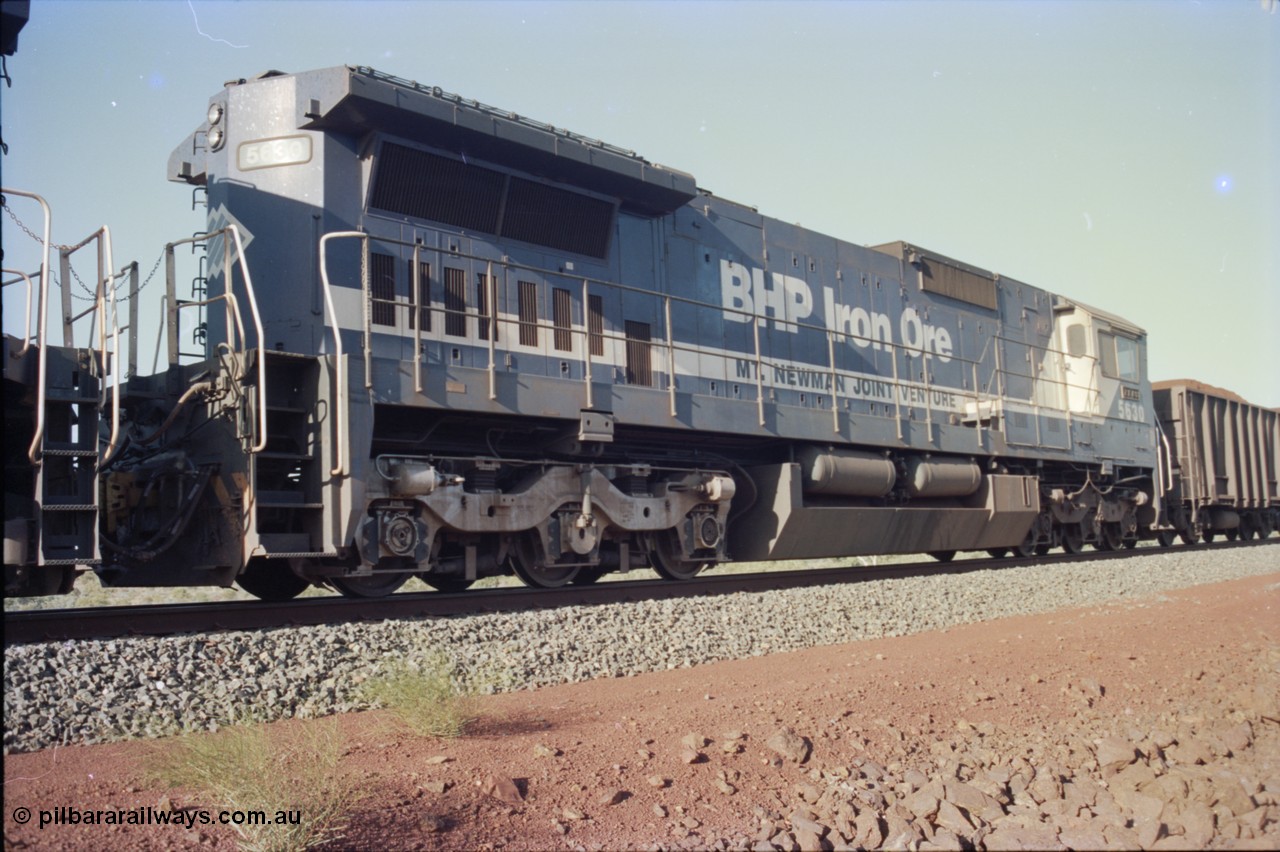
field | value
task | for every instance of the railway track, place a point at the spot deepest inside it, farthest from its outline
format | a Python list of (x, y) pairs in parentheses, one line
[(57, 625)]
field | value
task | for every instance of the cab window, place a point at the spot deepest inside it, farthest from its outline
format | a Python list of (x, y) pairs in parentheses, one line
[(1118, 356)]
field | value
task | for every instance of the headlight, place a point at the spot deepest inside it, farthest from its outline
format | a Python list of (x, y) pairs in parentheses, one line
[(215, 114), (216, 138)]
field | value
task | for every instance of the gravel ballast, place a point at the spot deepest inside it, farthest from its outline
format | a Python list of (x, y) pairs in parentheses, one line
[(102, 691)]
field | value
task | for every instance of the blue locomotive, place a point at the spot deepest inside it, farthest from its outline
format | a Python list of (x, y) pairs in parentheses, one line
[(439, 339)]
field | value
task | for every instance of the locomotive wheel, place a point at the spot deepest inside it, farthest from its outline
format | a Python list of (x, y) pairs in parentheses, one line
[(529, 564), (1165, 538), (445, 582), (943, 555), (1042, 549), (1188, 535), (666, 558), (588, 575), (271, 580), (1110, 537), (1247, 528), (1072, 539), (1208, 536), (998, 552), (1232, 535), (375, 585), (1130, 543)]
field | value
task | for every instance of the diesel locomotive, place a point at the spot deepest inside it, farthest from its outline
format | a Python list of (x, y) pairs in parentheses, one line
[(429, 337)]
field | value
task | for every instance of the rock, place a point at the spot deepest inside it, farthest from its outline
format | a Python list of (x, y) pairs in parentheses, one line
[(694, 741), (921, 804), (573, 815), (541, 750), (789, 745), (1161, 738), (806, 821), (1229, 794), (1238, 738), (502, 788), (1082, 837), (1197, 824), (949, 817), (436, 786), (438, 759), (1190, 751), (1012, 837), (808, 841), (943, 840), (1114, 754), (725, 787), (432, 824), (690, 756), (869, 834), (660, 812), (611, 797), (658, 781), (808, 793)]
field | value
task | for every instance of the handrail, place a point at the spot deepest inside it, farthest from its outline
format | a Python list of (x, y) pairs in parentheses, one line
[(997, 377), (102, 292), (233, 312), (26, 332), (340, 465), (42, 325)]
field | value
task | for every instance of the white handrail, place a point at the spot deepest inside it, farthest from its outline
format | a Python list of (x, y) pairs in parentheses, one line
[(26, 332), (262, 341), (233, 311), (42, 325), (103, 293), (340, 466)]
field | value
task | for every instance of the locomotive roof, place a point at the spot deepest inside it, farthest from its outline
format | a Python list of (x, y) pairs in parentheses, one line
[(358, 99)]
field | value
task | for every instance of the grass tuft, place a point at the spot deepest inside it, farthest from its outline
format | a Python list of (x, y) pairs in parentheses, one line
[(427, 696), (292, 776)]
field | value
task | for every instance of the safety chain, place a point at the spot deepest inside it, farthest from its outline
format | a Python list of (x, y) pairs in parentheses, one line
[(91, 295)]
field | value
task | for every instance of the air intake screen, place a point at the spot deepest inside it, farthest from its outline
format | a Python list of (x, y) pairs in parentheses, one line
[(427, 186), (937, 276), (556, 218)]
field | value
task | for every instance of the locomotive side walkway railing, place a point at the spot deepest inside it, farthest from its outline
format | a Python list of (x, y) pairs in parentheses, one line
[(995, 372)]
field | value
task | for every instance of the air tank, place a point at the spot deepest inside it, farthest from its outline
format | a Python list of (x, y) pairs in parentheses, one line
[(845, 473), (928, 477)]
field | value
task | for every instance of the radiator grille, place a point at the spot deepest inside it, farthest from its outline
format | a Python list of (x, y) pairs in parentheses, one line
[(937, 276), (428, 186), (556, 218)]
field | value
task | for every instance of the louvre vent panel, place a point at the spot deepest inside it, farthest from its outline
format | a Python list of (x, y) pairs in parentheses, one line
[(428, 186)]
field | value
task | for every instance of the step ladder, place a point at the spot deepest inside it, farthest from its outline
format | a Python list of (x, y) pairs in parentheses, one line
[(288, 473), (66, 481)]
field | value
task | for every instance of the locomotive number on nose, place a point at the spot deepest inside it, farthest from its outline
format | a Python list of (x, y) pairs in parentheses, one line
[(1134, 411), (265, 153)]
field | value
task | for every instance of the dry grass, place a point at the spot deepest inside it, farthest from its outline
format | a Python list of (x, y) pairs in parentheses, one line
[(427, 695), (289, 773)]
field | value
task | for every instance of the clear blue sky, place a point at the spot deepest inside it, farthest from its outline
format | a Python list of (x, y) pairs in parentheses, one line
[(1123, 154)]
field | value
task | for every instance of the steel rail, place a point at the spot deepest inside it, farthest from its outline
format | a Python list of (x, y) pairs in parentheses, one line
[(59, 625)]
